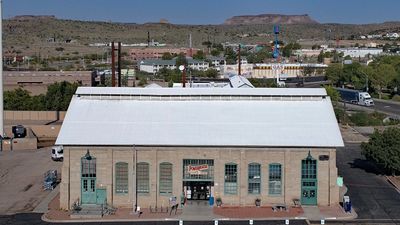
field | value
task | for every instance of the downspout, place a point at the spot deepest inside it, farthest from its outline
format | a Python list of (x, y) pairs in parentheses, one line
[(136, 192), (69, 179), (156, 179), (112, 176)]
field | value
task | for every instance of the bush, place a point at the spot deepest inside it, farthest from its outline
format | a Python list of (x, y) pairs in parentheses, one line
[(396, 98)]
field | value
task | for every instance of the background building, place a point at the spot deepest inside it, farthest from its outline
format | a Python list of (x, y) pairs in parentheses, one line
[(137, 54)]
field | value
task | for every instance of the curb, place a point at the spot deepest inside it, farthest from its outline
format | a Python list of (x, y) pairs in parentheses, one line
[(44, 218), (393, 183)]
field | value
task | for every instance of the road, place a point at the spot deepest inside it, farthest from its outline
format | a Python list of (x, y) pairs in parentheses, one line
[(388, 107)]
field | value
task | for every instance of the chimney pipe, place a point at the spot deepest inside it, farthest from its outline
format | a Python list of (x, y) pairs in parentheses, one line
[(148, 39), (240, 63), (119, 64), (112, 65)]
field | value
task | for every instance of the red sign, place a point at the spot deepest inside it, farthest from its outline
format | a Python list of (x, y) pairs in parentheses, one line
[(197, 169)]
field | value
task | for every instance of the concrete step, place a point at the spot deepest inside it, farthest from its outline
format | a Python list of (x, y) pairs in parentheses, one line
[(88, 212)]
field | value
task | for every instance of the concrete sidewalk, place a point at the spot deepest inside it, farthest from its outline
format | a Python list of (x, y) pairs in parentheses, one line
[(204, 212), (43, 206)]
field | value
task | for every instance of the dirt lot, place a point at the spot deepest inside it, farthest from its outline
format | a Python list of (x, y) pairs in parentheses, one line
[(21, 177)]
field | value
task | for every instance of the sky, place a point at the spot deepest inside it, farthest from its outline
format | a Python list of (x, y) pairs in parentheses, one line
[(205, 11)]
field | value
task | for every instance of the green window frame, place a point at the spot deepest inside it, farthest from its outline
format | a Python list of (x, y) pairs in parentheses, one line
[(309, 169), (143, 177), (254, 178), (165, 178), (121, 178), (275, 179), (88, 168), (230, 185)]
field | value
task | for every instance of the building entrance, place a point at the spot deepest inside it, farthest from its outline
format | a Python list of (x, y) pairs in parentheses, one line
[(198, 190), (198, 179), (309, 181)]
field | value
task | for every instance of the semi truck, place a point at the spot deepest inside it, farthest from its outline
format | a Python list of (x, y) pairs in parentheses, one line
[(355, 97)]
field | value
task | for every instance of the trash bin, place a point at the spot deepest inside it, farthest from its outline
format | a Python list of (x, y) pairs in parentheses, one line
[(346, 204), (211, 201)]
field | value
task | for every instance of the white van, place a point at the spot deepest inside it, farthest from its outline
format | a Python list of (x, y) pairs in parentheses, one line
[(57, 153)]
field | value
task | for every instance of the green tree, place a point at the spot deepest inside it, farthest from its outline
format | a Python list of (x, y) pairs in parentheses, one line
[(167, 56), (181, 60), (383, 75), (199, 55), (18, 99), (334, 73), (215, 52), (384, 149), (59, 95), (230, 56), (333, 94), (212, 73)]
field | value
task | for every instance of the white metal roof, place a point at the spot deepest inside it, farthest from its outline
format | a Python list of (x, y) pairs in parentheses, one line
[(107, 91), (238, 81), (274, 123)]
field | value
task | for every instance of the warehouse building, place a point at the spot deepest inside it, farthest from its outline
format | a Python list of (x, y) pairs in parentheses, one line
[(132, 146)]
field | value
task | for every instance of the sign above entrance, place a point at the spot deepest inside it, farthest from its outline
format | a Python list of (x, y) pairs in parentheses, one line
[(198, 169)]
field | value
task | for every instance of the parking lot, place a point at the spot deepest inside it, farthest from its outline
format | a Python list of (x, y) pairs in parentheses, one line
[(372, 196), (21, 179)]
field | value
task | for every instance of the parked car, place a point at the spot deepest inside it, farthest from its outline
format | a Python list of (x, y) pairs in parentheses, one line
[(57, 153)]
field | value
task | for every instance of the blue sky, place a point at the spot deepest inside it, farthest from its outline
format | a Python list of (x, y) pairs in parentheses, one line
[(205, 11)]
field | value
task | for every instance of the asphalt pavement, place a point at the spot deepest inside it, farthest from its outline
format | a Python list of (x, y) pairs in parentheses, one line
[(35, 219), (387, 106), (372, 196)]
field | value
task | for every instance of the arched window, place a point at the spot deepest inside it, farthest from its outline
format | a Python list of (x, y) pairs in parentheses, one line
[(230, 185), (165, 178), (143, 184), (275, 179), (254, 184), (121, 178)]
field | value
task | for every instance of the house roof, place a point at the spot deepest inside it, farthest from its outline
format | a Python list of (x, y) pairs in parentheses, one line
[(262, 117)]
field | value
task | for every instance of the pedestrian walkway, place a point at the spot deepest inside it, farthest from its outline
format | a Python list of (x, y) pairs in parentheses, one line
[(197, 210), (202, 211), (312, 213), (43, 206)]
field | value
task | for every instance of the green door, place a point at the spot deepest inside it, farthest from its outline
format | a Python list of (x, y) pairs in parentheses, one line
[(309, 182), (88, 190), (88, 179), (101, 196)]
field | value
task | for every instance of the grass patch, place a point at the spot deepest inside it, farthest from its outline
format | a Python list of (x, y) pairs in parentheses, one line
[(370, 119)]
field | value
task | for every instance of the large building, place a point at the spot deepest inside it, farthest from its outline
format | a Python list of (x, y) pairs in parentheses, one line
[(154, 65), (287, 70), (37, 82), (360, 52), (132, 146), (137, 54)]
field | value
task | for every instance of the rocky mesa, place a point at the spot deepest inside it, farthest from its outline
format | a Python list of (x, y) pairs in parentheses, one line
[(270, 19)]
